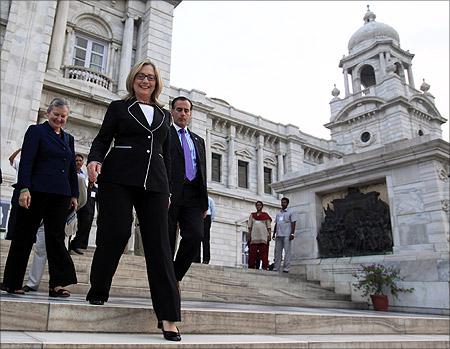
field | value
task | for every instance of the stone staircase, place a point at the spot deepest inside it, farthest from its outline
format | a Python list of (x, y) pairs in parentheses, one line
[(222, 307)]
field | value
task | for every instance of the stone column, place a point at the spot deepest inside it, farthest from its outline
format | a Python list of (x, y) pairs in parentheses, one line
[(347, 91), (382, 64), (139, 41), (232, 180), (280, 166), (23, 63), (388, 57), (125, 57), (59, 30), (356, 82), (410, 76), (70, 45), (260, 165), (208, 155)]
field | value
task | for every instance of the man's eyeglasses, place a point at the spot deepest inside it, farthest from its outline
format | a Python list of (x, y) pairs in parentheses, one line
[(141, 77)]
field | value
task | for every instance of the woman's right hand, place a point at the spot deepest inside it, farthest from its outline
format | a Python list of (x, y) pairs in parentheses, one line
[(94, 168), (25, 199)]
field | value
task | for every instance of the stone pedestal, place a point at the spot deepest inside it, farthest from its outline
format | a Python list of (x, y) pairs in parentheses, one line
[(416, 175)]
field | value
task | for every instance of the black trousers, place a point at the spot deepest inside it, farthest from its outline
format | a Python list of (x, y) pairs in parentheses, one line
[(115, 216), (85, 217), (188, 217), (13, 214), (205, 241), (53, 209)]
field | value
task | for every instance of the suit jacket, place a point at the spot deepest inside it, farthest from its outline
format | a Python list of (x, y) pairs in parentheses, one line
[(178, 169), (47, 162), (140, 155)]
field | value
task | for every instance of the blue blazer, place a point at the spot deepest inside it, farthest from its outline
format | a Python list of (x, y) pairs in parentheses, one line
[(47, 162)]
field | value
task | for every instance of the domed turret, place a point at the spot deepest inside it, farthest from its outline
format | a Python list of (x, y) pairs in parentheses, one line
[(370, 32)]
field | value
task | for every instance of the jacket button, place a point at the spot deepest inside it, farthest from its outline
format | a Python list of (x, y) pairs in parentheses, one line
[(149, 137), (62, 171), (148, 151)]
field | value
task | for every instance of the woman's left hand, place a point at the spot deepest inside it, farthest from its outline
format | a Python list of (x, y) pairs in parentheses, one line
[(73, 203)]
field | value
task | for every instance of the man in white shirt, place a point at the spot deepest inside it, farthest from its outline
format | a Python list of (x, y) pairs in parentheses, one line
[(283, 234)]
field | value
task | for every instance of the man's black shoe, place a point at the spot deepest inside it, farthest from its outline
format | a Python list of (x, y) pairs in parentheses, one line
[(27, 288), (77, 251), (96, 302)]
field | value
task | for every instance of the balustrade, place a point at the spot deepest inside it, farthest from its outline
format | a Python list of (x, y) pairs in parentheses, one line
[(89, 75)]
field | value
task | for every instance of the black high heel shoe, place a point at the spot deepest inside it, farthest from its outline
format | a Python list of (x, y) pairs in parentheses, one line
[(169, 335)]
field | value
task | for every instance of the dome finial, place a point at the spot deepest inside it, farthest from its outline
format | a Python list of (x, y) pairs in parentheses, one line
[(369, 16), (424, 87), (335, 92)]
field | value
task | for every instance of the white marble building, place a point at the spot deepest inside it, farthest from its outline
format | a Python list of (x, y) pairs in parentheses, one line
[(385, 134), (390, 136)]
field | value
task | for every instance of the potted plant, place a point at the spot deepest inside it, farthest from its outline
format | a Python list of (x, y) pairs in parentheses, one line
[(373, 279)]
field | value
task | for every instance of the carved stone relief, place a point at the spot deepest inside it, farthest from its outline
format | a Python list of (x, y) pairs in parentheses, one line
[(442, 173), (244, 153), (358, 224)]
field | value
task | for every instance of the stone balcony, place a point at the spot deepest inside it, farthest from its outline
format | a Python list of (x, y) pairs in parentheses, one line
[(89, 75)]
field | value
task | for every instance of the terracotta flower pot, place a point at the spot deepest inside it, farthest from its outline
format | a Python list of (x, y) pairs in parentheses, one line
[(380, 302)]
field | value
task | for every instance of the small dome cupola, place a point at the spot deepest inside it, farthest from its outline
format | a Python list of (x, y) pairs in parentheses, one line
[(371, 32)]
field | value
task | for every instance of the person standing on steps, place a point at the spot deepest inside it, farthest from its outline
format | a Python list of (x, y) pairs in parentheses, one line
[(283, 234), (206, 248), (48, 186), (189, 201), (135, 173), (85, 215), (259, 228)]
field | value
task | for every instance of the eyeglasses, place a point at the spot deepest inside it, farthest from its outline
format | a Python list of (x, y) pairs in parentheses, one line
[(141, 77)]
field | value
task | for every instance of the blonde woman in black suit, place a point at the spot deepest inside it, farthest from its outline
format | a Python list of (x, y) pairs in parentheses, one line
[(135, 173)]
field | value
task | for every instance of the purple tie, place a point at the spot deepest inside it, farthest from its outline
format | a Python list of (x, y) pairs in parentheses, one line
[(189, 167)]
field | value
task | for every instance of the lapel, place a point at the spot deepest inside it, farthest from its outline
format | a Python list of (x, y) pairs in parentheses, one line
[(196, 145), (53, 135), (138, 115), (176, 140)]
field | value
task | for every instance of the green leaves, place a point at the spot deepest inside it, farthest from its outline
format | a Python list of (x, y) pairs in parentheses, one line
[(374, 278)]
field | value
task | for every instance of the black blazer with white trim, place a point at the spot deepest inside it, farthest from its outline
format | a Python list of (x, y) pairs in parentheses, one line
[(140, 155)]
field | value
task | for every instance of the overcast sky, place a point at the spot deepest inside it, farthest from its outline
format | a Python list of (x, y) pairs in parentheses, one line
[(279, 59)]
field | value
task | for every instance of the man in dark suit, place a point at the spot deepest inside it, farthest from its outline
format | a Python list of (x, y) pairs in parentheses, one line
[(189, 200), (85, 215)]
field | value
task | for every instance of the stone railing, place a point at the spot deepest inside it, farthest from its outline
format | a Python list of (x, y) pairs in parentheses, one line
[(85, 74)]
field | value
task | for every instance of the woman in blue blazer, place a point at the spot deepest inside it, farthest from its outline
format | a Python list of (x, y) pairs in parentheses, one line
[(48, 186), (134, 172)]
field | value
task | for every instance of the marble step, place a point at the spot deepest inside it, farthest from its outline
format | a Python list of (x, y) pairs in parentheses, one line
[(218, 283), (132, 315), (194, 282), (79, 340), (269, 298)]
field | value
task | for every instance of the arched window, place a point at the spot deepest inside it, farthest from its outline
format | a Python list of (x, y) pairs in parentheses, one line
[(367, 76), (399, 70)]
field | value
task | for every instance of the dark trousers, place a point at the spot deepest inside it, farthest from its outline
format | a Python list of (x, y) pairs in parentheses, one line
[(205, 241), (115, 216), (51, 208), (85, 216), (13, 214), (258, 252), (188, 217)]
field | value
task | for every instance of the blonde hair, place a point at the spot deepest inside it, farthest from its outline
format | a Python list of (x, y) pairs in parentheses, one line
[(132, 74)]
